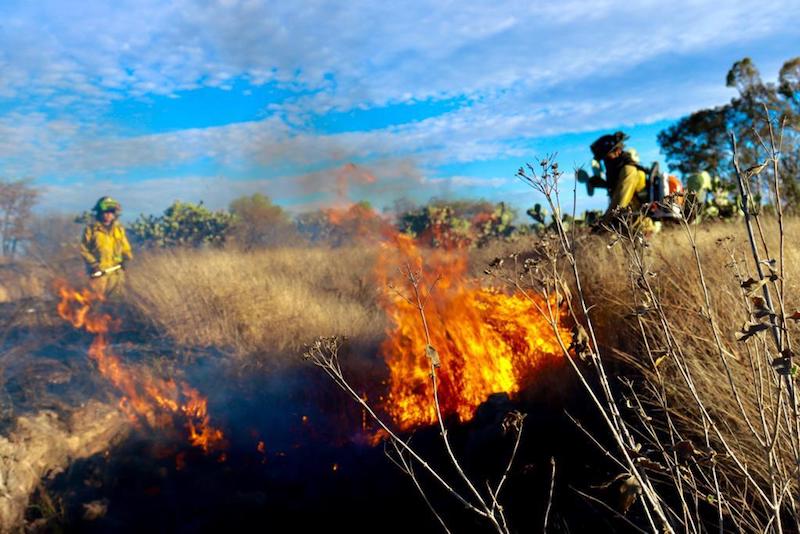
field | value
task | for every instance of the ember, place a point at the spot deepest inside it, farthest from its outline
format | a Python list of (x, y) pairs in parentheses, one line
[(146, 398)]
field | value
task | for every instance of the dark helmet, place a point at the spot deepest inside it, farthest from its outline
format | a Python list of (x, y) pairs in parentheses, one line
[(105, 204), (607, 143)]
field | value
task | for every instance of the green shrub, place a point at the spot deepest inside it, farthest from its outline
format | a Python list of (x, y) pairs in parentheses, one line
[(458, 224), (183, 224)]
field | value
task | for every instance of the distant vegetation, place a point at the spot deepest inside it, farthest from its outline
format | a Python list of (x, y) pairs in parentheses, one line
[(701, 141)]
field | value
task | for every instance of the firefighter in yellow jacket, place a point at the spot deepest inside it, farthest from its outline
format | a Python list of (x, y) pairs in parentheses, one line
[(105, 248), (624, 177)]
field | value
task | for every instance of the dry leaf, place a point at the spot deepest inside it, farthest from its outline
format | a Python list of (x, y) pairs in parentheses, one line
[(760, 309), (685, 451), (433, 356), (751, 329), (751, 286), (755, 169), (782, 365), (649, 464), (513, 421), (580, 342), (624, 489)]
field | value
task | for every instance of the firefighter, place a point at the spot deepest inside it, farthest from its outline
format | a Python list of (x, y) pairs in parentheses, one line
[(625, 179), (105, 248)]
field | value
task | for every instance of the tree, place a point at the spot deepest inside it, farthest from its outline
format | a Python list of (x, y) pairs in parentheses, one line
[(700, 141), (183, 224), (260, 223), (17, 198), (53, 235)]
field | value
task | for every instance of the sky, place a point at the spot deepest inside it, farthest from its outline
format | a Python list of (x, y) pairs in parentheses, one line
[(321, 103)]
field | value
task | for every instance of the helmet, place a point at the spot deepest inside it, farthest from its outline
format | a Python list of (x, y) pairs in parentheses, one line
[(107, 204), (607, 143)]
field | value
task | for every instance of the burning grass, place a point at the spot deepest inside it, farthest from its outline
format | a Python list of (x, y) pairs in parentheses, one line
[(486, 340), (267, 302), (145, 397)]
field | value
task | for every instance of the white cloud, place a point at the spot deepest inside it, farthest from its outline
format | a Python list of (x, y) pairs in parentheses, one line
[(32, 145), (356, 52), (526, 70)]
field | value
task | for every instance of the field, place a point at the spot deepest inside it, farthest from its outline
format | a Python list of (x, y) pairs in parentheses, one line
[(235, 323)]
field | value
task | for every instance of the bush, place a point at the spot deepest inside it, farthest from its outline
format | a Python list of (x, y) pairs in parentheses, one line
[(183, 224), (339, 227), (458, 224), (260, 223)]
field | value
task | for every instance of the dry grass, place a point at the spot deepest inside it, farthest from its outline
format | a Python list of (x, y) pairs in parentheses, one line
[(274, 301), (258, 304), (733, 380), (22, 280), (726, 260)]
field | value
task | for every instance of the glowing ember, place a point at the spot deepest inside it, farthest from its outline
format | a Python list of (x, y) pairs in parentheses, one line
[(146, 398), (488, 341)]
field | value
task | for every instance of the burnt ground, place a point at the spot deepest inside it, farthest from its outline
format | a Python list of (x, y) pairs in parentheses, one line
[(315, 470)]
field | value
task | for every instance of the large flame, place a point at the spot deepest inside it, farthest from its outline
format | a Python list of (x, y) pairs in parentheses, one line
[(155, 401), (488, 340)]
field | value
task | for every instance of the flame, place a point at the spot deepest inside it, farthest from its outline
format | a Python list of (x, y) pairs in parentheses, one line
[(359, 222), (147, 398), (488, 341)]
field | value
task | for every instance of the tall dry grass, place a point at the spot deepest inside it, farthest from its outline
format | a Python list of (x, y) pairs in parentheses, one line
[(262, 303), (258, 304), (731, 378)]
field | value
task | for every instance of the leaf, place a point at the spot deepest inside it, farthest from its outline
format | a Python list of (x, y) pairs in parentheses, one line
[(772, 264), (580, 342), (433, 356), (795, 316), (629, 490), (660, 360), (626, 488), (755, 169), (513, 421), (685, 451), (760, 309), (751, 286), (782, 365), (651, 465), (751, 329), (497, 262)]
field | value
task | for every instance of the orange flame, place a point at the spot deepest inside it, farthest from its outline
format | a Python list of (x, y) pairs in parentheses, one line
[(488, 341), (359, 222), (145, 397)]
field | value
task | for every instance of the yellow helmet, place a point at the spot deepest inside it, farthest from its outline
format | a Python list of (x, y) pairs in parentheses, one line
[(107, 204)]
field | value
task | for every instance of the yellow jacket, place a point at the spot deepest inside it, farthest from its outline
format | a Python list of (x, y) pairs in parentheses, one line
[(103, 247), (631, 181)]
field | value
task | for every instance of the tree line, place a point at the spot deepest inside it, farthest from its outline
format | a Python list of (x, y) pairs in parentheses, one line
[(695, 143), (701, 140)]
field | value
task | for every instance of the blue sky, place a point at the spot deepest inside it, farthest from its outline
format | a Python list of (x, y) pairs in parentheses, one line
[(320, 103)]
